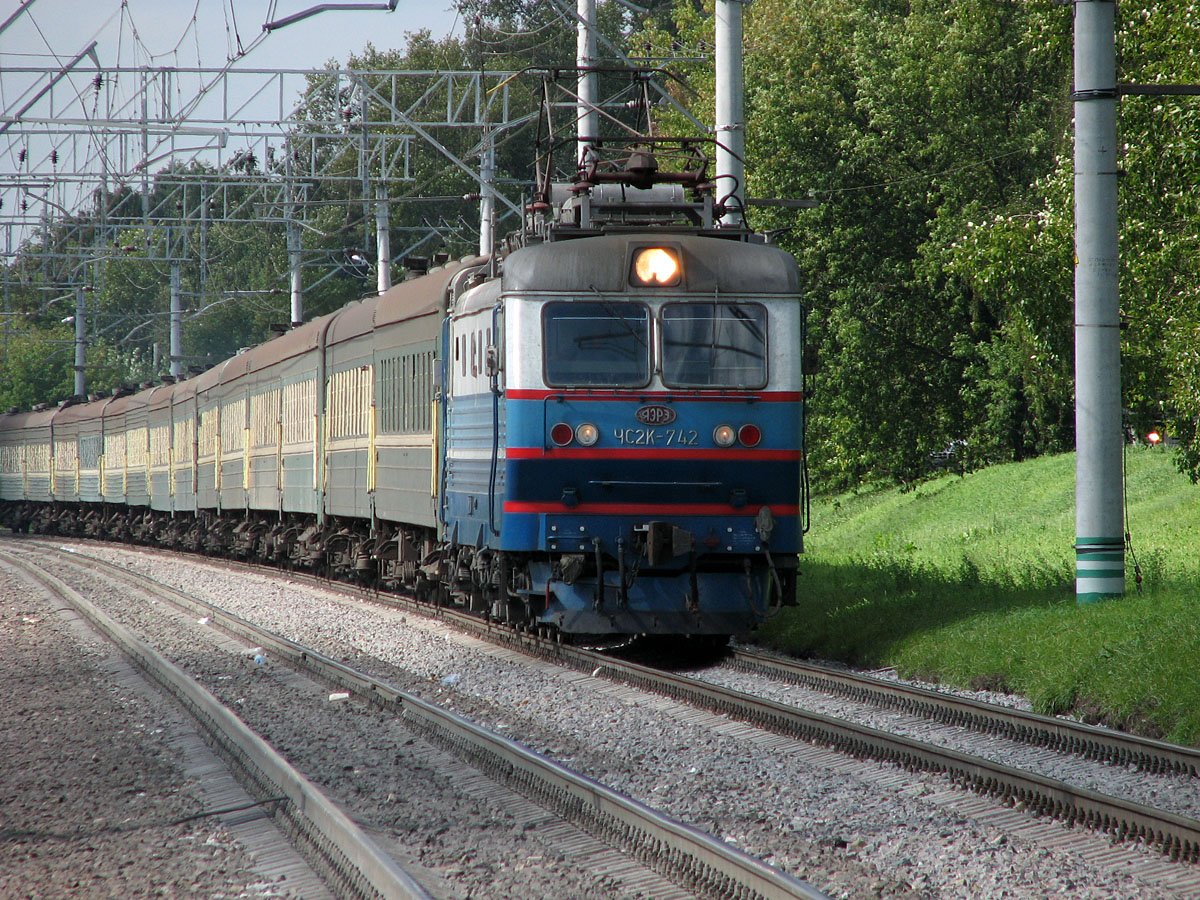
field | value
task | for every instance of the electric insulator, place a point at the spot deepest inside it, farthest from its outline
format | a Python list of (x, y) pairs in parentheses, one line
[(98, 81), (54, 157), (21, 155)]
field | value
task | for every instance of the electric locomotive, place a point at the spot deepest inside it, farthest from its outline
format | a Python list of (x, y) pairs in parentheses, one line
[(625, 416), (598, 430)]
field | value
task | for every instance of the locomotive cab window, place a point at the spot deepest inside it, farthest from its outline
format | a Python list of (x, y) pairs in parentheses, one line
[(596, 343), (714, 345)]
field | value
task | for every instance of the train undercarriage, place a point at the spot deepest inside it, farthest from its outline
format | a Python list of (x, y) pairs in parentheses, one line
[(586, 596)]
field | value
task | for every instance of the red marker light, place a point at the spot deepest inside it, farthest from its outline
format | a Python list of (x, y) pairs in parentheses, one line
[(562, 434), (749, 435)]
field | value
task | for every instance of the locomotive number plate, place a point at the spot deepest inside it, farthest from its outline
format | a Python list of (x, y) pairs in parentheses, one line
[(655, 415), (656, 437)]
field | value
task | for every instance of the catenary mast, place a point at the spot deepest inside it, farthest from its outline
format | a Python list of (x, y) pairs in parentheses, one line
[(1099, 531)]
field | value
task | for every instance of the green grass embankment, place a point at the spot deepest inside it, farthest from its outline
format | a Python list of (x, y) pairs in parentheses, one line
[(970, 581)]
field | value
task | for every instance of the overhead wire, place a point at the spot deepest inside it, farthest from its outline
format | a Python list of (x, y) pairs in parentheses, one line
[(129, 39), (921, 176), (232, 16), (54, 148)]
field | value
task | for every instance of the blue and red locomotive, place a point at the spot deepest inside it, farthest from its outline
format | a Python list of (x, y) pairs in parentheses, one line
[(600, 432), (637, 437)]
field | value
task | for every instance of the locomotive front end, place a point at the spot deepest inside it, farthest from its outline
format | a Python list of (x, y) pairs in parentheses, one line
[(654, 431)]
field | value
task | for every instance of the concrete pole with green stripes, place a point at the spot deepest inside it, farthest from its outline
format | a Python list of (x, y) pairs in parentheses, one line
[(1099, 525)]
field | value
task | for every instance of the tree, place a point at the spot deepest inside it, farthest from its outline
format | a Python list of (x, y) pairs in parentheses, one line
[(1159, 214), (908, 122)]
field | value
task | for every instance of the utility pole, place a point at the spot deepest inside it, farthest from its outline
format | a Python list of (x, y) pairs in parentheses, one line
[(80, 342), (175, 347), (7, 303), (1099, 513), (294, 251), (383, 240), (295, 267), (487, 195), (730, 112), (587, 90)]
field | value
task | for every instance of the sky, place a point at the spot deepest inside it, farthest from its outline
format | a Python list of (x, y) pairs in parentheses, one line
[(42, 158), (208, 32)]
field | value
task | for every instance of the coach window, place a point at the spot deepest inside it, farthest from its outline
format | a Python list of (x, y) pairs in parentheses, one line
[(596, 343), (714, 345)]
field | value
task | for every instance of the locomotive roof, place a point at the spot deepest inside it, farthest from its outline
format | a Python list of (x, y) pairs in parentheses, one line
[(710, 265), (482, 296)]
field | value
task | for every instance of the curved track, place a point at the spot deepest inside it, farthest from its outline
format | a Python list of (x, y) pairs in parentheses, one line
[(1177, 836), (1060, 735), (352, 863), (691, 858)]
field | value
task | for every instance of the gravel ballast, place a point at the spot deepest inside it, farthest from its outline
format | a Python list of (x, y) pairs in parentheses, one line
[(460, 834), (851, 828), (93, 801)]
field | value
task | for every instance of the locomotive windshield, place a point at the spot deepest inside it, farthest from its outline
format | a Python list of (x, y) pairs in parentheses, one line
[(714, 345), (597, 343)]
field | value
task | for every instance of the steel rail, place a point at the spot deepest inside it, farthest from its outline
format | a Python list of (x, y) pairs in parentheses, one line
[(1176, 836), (1061, 735), (692, 858), (351, 862)]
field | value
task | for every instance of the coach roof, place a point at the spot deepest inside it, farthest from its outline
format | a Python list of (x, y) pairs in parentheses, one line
[(420, 296)]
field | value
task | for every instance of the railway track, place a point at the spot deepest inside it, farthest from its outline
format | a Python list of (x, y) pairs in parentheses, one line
[(351, 863), (1177, 836), (1060, 735), (700, 863)]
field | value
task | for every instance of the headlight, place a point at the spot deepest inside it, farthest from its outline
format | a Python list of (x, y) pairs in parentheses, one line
[(724, 435), (587, 434), (656, 267)]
